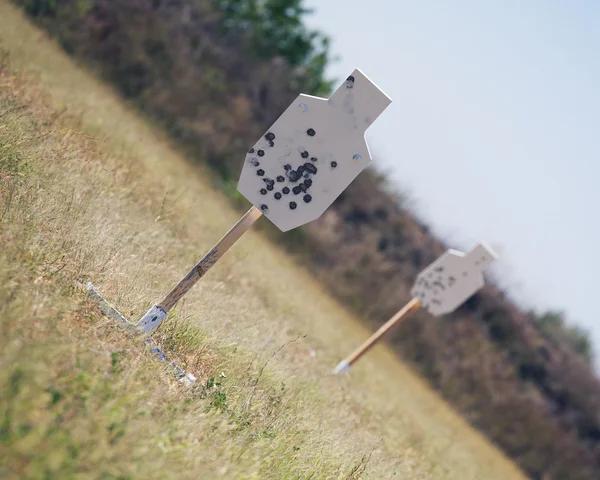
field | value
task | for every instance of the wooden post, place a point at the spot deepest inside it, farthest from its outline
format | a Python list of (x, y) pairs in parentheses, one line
[(210, 258), (345, 364), (157, 313)]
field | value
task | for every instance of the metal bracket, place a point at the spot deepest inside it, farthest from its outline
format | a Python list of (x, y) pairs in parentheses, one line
[(133, 329), (152, 319), (341, 368)]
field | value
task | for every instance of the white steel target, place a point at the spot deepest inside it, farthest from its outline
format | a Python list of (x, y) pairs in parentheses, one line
[(314, 150), (451, 279), (441, 288)]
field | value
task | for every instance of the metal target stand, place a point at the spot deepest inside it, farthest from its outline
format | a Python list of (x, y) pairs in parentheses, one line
[(284, 182)]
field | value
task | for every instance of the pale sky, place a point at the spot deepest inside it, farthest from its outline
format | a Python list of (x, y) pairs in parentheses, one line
[(494, 130)]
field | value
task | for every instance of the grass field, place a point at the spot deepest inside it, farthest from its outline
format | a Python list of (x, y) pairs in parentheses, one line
[(90, 192)]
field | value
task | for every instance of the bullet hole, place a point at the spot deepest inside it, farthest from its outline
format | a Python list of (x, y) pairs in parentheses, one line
[(261, 153), (306, 175), (297, 190), (294, 176), (263, 191), (285, 190), (300, 169), (255, 162), (271, 144), (310, 168), (356, 156), (313, 159), (383, 244), (268, 180), (264, 209), (350, 82), (307, 198), (277, 196), (270, 136), (304, 154), (287, 167), (281, 178), (333, 164), (270, 188), (260, 172), (251, 150), (293, 205), (439, 269), (308, 183), (310, 132), (451, 280)]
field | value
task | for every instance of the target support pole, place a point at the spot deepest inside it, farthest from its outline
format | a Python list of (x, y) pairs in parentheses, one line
[(153, 317), (409, 308)]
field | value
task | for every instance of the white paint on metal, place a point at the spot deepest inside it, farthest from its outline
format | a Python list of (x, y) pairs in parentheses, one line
[(131, 328), (188, 379), (314, 150), (454, 277), (341, 368), (181, 375), (106, 308), (151, 319)]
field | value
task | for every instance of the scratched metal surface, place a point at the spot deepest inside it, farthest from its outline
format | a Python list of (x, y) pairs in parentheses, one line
[(449, 281), (312, 153), (151, 319)]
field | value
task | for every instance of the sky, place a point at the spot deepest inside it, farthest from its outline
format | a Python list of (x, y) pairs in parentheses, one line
[(493, 131)]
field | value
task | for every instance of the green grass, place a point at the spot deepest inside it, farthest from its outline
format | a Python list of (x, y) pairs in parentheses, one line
[(90, 192)]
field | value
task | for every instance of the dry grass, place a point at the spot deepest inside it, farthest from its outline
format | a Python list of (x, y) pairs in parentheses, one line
[(90, 192)]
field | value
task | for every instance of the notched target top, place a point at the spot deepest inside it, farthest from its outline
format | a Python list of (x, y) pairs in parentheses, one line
[(312, 153), (449, 281)]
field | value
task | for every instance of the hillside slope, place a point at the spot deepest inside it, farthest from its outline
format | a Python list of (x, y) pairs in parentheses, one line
[(90, 192), (529, 391)]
